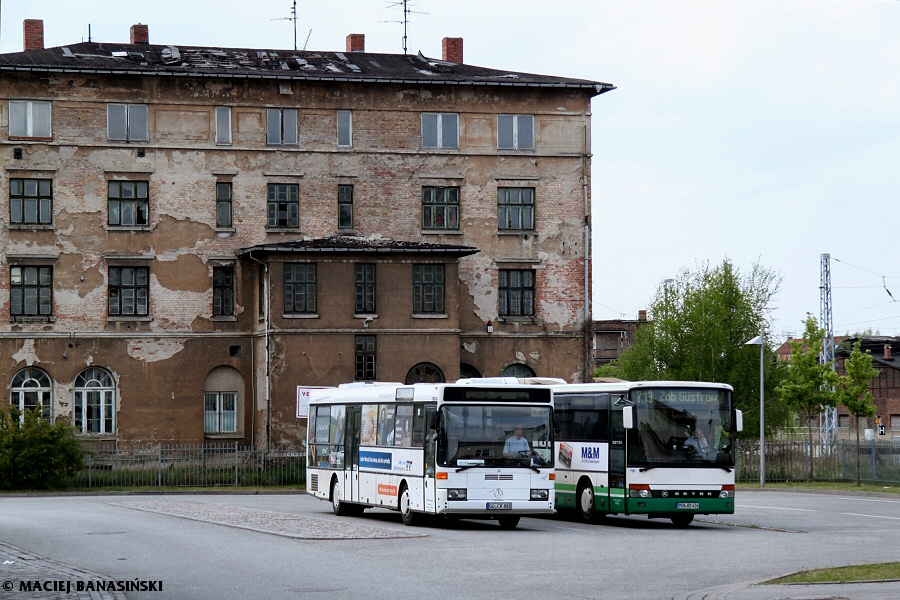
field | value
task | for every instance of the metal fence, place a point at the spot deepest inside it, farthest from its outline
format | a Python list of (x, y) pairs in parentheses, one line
[(178, 465), (879, 462)]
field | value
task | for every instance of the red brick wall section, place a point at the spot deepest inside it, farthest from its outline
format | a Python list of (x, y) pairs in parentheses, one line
[(33, 34), (453, 49), (356, 42), (140, 34)]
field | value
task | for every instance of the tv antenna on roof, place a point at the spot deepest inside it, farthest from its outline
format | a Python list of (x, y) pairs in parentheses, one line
[(293, 18), (405, 21)]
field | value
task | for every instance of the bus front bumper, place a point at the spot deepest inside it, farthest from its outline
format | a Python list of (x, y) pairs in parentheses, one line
[(697, 506), (490, 509)]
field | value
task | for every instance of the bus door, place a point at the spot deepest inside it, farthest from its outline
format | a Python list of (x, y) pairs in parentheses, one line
[(429, 458), (351, 451), (617, 489)]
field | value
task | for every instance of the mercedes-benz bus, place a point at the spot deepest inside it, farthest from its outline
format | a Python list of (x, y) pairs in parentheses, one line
[(656, 448), (473, 449)]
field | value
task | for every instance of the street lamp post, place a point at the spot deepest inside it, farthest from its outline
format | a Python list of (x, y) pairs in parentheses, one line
[(760, 341)]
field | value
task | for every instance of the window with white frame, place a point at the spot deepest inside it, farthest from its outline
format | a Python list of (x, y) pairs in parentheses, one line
[(440, 130), (31, 291), (219, 412), (515, 132), (127, 123), (281, 126), (344, 128), (29, 119), (223, 125), (30, 201), (31, 389), (94, 409)]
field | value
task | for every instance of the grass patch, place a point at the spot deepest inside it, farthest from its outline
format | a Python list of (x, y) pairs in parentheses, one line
[(838, 486), (876, 572)]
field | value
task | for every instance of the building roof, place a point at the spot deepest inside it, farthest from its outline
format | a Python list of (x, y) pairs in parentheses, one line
[(365, 245), (249, 63)]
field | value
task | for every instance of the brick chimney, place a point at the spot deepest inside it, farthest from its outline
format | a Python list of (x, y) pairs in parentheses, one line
[(642, 315), (356, 42), (887, 352), (453, 49), (140, 34), (33, 34)]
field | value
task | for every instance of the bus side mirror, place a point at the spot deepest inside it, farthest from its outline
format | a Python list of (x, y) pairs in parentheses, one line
[(435, 421), (738, 420), (628, 417)]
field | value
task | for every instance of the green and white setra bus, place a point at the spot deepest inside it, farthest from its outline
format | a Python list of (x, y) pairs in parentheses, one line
[(658, 448), (474, 449)]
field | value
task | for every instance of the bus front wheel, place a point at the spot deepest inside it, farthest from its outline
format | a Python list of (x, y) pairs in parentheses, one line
[(406, 512), (508, 522), (682, 520), (338, 507), (586, 502)]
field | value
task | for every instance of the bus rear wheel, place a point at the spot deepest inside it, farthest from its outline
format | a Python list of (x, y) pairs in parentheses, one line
[(339, 508), (682, 520), (586, 502), (508, 522), (406, 512)]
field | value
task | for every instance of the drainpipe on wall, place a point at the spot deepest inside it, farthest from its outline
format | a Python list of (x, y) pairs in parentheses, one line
[(588, 324), (266, 316)]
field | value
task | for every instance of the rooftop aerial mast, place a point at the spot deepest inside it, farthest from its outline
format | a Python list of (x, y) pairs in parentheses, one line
[(828, 418)]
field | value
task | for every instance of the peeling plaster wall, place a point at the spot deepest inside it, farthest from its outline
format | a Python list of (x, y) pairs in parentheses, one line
[(160, 363)]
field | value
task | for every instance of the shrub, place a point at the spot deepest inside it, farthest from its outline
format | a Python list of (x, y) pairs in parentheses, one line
[(35, 454)]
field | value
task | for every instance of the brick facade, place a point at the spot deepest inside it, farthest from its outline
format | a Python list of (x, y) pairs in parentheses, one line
[(163, 363)]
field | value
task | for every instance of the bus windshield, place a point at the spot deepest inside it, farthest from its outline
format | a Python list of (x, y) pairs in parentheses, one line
[(681, 427), (474, 435)]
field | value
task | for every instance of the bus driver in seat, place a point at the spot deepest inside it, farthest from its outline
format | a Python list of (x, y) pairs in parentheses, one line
[(696, 443), (516, 445)]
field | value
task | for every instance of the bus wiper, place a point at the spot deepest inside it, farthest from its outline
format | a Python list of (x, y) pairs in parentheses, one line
[(532, 467), (642, 469), (464, 467)]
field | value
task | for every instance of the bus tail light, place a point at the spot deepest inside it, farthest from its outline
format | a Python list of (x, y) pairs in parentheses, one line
[(639, 490), (727, 491), (440, 475)]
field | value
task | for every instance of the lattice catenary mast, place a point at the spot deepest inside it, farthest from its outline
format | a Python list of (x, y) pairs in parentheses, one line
[(828, 419)]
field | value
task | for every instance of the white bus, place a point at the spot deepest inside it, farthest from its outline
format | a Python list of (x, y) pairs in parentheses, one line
[(474, 449), (659, 448)]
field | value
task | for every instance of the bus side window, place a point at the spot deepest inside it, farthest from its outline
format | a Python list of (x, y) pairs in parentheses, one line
[(403, 425), (419, 425)]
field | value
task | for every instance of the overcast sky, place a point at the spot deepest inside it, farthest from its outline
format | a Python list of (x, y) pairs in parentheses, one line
[(759, 131)]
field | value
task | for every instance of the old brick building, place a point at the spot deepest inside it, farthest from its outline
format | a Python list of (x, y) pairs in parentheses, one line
[(191, 233), (885, 387)]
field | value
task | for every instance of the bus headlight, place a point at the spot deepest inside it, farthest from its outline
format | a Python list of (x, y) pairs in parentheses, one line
[(639, 490), (540, 494), (456, 494), (727, 491)]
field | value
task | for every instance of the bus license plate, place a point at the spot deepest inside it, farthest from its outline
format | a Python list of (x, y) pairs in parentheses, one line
[(499, 505), (688, 505)]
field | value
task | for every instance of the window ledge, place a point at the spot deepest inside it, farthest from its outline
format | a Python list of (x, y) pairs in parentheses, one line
[(128, 227), (129, 318), (430, 316), (283, 230), (301, 316), (516, 319), (233, 435), (223, 318), (515, 150), (365, 315), (95, 436), (441, 232), (516, 232), (29, 138), (32, 319), (30, 227)]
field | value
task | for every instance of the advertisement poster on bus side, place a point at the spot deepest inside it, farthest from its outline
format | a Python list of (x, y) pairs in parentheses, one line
[(587, 456)]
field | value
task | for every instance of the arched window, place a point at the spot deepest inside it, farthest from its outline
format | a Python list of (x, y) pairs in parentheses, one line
[(31, 388), (425, 373), (517, 370), (95, 401), (468, 372)]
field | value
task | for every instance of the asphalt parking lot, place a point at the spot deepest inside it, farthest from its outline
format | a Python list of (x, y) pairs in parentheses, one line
[(291, 546)]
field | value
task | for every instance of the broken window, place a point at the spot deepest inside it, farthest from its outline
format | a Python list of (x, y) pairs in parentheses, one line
[(284, 205), (129, 203)]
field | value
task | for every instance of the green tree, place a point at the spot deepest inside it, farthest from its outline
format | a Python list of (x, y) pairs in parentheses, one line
[(35, 454), (852, 389), (698, 324), (808, 385)]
